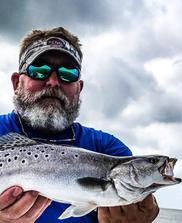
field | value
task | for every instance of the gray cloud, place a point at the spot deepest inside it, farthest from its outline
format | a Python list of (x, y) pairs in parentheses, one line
[(166, 108), (83, 17), (93, 17), (154, 106), (13, 18), (123, 84), (151, 44)]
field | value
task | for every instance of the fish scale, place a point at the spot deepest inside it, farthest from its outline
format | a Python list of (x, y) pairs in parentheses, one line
[(83, 178)]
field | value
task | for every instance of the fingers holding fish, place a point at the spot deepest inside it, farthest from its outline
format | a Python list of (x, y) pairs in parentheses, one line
[(141, 212), (149, 202), (114, 215), (118, 215), (9, 196), (26, 210), (110, 214), (20, 207), (103, 215), (149, 205), (131, 213), (38, 208)]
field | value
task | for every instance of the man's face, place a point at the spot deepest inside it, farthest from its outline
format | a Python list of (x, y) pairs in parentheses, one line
[(48, 104)]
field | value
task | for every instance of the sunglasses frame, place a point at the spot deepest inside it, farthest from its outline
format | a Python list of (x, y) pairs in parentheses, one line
[(56, 69)]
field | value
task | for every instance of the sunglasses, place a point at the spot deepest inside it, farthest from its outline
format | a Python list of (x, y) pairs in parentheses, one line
[(44, 72)]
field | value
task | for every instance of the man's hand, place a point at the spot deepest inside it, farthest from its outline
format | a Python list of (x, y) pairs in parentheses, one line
[(142, 212), (17, 206)]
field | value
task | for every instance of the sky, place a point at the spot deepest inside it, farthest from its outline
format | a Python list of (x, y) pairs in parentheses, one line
[(132, 68)]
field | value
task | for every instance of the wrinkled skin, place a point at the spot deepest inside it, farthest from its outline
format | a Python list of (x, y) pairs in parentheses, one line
[(18, 207), (142, 212)]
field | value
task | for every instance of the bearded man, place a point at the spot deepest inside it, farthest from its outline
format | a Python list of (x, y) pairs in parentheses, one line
[(47, 101)]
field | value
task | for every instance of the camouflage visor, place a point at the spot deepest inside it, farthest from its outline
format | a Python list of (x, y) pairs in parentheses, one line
[(39, 47)]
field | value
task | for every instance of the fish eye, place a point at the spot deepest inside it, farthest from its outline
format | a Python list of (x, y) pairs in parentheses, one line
[(153, 160)]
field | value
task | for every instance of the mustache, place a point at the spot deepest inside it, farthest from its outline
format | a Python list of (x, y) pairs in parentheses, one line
[(50, 92)]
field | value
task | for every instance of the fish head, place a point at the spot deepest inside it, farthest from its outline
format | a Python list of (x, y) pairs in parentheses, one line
[(136, 177), (153, 171)]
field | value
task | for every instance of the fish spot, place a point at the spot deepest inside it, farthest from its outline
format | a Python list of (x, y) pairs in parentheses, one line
[(7, 154), (24, 150), (76, 155), (42, 151), (52, 149), (37, 148), (21, 150), (46, 156), (9, 160), (1, 164), (15, 157), (29, 153), (12, 148), (23, 161), (36, 156), (63, 153)]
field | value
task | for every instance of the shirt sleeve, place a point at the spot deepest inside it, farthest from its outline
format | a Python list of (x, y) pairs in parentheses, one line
[(111, 145)]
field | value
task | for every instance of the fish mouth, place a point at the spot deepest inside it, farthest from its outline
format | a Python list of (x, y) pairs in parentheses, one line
[(166, 170)]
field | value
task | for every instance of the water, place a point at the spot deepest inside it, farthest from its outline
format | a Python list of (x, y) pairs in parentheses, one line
[(169, 216)]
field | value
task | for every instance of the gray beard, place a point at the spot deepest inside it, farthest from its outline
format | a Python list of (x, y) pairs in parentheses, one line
[(56, 116)]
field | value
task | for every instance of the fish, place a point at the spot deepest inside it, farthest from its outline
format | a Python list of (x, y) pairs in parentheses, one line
[(84, 179)]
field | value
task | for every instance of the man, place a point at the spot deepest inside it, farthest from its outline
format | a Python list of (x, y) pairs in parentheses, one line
[(47, 100)]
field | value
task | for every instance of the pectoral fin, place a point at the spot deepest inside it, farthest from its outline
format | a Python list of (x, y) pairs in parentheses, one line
[(95, 184), (77, 211)]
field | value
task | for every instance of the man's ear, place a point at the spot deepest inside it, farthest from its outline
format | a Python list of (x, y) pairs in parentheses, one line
[(15, 80), (81, 84)]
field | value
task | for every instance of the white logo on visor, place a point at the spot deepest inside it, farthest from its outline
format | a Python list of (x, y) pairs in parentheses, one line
[(55, 42)]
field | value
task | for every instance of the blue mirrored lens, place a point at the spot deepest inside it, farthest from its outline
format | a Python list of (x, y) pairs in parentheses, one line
[(68, 75), (38, 72)]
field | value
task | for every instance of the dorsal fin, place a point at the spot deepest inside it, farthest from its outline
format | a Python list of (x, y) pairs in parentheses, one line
[(14, 140)]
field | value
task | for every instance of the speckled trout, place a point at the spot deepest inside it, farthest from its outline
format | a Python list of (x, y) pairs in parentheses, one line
[(82, 178)]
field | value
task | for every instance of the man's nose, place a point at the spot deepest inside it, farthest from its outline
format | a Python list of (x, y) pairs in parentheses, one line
[(53, 80)]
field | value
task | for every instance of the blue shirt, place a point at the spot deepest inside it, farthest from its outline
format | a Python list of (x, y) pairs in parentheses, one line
[(76, 135)]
